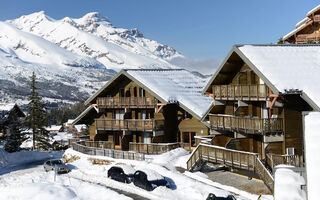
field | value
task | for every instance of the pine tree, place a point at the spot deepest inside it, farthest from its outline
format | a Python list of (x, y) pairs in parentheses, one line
[(14, 138), (37, 118)]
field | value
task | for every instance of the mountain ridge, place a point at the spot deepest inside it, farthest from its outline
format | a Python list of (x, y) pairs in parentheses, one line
[(72, 57)]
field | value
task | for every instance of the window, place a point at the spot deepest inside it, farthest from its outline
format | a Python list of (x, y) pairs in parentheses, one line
[(141, 92), (117, 139), (121, 92)]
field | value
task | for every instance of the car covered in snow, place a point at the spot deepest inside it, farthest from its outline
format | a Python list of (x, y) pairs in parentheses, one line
[(140, 179), (56, 164), (117, 173), (214, 197)]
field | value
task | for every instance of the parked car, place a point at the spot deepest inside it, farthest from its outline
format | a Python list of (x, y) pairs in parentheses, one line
[(58, 164), (214, 197), (117, 173), (140, 179)]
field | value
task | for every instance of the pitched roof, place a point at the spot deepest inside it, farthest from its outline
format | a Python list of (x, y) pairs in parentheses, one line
[(169, 86), (303, 23), (6, 109), (284, 68)]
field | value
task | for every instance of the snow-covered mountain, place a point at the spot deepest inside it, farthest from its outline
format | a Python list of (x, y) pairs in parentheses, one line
[(95, 36), (71, 57)]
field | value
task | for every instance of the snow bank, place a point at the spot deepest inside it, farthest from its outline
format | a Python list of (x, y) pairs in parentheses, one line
[(38, 191), (170, 158), (288, 184), (36, 184), (312, 148), (20, 157)]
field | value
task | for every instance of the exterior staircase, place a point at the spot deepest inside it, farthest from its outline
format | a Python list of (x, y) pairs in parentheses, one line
[(231, 158)]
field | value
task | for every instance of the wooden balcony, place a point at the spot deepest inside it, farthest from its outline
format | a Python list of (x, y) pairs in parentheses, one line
[(307, 38), (246, 124), (130, 124), (240, 92), (126, 102)]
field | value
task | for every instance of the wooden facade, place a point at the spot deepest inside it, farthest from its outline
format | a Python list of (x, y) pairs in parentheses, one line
[(127, 112), (307, 31), (248, 116)]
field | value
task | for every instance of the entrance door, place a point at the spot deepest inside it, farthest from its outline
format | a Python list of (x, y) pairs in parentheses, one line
[(188, 139), (117, 140)]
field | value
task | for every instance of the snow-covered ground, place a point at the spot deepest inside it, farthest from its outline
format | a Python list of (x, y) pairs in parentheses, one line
[(89, 181)]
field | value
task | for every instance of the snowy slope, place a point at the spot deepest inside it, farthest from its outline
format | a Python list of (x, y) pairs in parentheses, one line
[(61, 74), (94, 36), (72, 58)]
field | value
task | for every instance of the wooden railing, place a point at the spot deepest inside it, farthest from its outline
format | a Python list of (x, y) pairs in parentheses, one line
[(109, 102), (306, 38), (152, 148), (276, 159), (130, 124), (232, 158), (157, 148), (81, 147), (240, 92), (97, 144), (246, 124)]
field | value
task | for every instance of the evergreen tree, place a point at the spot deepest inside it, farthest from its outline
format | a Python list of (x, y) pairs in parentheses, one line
[(14, 137), (37, 118)]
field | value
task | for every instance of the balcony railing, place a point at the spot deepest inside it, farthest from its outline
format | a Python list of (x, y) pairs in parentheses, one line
[(240, 92), (130, 124), (307, 38), (246, 124), (109, 102)]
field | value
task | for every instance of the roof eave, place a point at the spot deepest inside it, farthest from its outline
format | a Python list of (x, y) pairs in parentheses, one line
[(218, 70), (256, 70), (313, 105), (82, 115), (89, 100)]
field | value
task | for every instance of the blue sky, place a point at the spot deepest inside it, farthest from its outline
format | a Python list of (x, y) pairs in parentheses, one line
[(199, 29)]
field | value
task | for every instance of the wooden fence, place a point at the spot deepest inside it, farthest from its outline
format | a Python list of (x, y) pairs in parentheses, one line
[(152, 148), (246, 124), (106, 102), (129, 124), (106, 152), (275, 159), (240, 92), (232, 158)]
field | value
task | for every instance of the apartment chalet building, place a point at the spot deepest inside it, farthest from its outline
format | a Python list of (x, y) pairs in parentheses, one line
[(307, 30), (260, 93), (148, 106), (10, 113)]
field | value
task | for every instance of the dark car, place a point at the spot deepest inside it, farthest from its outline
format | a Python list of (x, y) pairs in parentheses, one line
[(117, 173), (214, 197), (140, 179)]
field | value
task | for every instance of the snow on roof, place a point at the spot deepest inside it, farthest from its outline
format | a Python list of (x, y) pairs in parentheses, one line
[(80, 127), (288, 67), (302, 26), (313, 10), (175, 85), (6, 106), (70, 121), (312, 148), (53, 127), (303, 21)]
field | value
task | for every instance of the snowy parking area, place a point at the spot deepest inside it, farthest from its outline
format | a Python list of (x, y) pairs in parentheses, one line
[(89, 181)]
